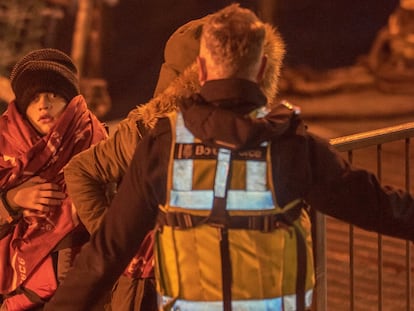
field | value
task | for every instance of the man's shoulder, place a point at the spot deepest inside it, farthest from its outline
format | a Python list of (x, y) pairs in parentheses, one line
[(163, 127)]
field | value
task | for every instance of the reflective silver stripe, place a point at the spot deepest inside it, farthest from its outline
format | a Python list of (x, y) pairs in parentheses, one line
[(249, 200), (236, 199), (236, 305), (183, 169), (255, 173), (255, 197), (200, 199), (222, 172), (183, 175), (289, 302), (183, 135), (286, 303)]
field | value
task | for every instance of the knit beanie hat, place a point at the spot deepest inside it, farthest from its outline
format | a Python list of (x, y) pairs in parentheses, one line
[(44, 70), (181, 50)]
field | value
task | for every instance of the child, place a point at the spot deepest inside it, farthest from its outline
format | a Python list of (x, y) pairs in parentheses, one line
[(41, 130)]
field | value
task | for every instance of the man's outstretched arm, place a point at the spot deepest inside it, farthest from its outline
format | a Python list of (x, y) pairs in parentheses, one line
[(110, 249), (89, 173)]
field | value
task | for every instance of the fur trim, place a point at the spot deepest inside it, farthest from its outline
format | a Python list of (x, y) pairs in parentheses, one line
[(183, 86), (187, 83), (274, 49)]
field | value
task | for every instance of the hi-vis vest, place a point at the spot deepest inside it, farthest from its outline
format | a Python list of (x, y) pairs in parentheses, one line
[(269, 264)]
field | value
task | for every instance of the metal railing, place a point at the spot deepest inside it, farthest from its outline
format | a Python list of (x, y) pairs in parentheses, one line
[(344, 290)]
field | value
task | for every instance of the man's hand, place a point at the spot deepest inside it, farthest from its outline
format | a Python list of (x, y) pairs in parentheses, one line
[(35, 194)]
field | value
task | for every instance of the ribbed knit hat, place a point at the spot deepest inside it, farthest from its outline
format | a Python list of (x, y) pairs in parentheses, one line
[(181, 50), (44, 70)]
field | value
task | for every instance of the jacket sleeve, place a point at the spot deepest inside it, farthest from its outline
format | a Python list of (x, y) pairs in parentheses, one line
[(355, 195), (92, 173), (131, 215)]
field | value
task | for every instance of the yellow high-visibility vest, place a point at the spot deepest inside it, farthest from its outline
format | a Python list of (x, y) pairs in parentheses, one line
[(265, 260)]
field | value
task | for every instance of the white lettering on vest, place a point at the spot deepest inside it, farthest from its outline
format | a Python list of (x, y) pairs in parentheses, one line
[(201, 150), (253, 154)]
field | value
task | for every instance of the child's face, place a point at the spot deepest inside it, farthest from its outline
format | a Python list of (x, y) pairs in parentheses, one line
[(44, 110)]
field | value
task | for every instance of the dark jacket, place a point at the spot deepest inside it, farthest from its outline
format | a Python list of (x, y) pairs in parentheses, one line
[(303, 166)]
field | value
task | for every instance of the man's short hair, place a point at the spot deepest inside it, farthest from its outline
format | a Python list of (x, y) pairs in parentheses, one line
[(234, 38)]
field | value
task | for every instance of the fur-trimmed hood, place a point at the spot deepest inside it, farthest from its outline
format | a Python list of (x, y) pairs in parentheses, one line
[(187, 83)]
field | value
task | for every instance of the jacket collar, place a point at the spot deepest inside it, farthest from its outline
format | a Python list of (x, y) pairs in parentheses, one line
[(237, 94)]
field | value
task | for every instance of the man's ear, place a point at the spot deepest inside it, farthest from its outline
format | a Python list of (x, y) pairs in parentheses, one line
[(262, 69), (202, 70)]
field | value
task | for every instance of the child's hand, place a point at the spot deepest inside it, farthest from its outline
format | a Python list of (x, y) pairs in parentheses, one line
[(35, 194)]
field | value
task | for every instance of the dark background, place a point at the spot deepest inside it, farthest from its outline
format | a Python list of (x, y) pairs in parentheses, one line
[(321, 34)]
